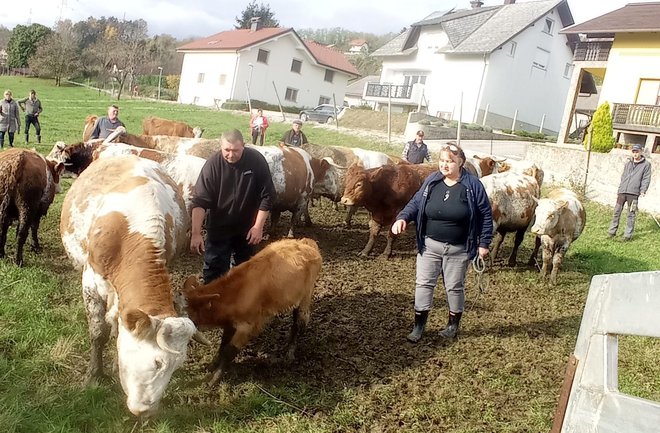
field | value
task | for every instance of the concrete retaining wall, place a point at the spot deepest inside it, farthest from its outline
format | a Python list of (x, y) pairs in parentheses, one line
[(566, 164)]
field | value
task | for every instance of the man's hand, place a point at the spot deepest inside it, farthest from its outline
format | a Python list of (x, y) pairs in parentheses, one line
[(483, 252), (255, 235), (197, 244)]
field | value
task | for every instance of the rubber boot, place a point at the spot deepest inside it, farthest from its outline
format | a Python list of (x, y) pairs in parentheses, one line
[(420, 324), (451, 331), (27, 138), (39, 139)]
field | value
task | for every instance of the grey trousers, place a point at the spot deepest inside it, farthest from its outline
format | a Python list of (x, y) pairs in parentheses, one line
[(450, 261), (622, 199)]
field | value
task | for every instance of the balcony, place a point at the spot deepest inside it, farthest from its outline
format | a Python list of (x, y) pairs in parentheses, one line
[(636, 117), (592, 51), (400, 94)]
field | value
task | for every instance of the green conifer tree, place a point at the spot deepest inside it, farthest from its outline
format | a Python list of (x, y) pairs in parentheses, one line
[(602, 138)]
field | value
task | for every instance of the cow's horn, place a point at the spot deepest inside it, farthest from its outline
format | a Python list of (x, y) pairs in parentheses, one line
[(162, 341), (200, 338)]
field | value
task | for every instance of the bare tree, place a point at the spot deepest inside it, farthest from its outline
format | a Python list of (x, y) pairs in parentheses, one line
[(58, 56)]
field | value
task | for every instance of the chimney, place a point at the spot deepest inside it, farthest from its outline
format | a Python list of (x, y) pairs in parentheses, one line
[(509, 2), (255, 24), (476, 4)]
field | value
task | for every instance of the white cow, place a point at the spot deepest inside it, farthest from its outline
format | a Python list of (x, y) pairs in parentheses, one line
[(123, 221)]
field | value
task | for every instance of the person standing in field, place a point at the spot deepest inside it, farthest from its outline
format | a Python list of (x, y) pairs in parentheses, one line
[(258, 126), (31, 105), (10, 121)]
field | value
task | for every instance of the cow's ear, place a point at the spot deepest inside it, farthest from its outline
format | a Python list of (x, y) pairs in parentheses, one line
[(562, 204), (191, 283), (536, 200), (137, 322), (59, 168), (60, 145)]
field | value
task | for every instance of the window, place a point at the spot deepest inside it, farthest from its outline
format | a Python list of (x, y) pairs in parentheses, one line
[(541, 58), (568, 69), (196, 100), (291, 94), (200, 77), (409, 80), (548, 26), (324, 100), (512, 49), (262, 57), (296, 65), (329, 75), (223, 79)]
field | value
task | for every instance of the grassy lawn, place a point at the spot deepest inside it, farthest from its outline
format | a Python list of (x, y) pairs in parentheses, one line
[(356, 372)]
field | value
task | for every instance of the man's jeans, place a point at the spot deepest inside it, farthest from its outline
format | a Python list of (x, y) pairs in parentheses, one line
[(621, 199)]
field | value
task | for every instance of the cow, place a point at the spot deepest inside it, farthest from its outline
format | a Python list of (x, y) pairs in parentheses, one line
[(384, 191), (156, 126), (88, 128), (529, 168), (481, 166), (28, 183), (279, 278), (183, 169), (560, 219), (123, 222), (512, 198), (293, 178)]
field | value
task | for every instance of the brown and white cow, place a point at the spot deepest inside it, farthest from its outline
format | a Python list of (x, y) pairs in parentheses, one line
[(512, 198), (481, 166), (28, 183), (529, 168), (88, 128), (123, 222), (156, 126), (278, 279), (560, 219), (384, 191), (183, 169)]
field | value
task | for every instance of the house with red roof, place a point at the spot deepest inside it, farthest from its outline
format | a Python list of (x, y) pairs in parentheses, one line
[(267, 64)]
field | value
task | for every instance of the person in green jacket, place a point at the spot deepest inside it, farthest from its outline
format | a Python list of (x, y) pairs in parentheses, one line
[(31, 105)]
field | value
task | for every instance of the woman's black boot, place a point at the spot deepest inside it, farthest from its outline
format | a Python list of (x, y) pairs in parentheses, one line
[(451, 331), (420, 324)]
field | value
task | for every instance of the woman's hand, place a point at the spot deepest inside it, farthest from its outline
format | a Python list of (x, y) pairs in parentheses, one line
[(483, 252), (399, 226)]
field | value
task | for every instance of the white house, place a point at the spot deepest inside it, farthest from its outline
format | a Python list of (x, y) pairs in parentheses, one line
[(268, 64), (505, 66), (357, 46), (356, 89)]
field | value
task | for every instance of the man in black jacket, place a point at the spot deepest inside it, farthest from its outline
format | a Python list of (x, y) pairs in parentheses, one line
[(635, 181), (236, 188)]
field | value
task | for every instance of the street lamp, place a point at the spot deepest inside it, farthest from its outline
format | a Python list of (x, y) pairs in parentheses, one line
[(160, 77), (251, 66)]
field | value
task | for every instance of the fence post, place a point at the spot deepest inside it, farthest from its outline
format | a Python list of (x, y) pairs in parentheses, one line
[(460, 120), (586, 171), (483, 121), (542, 122), (515, 118)]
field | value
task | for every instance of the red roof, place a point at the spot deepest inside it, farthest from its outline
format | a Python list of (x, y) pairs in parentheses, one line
[(632, 18), (234, 39), (330, 57), (243, 38), (357, 42)]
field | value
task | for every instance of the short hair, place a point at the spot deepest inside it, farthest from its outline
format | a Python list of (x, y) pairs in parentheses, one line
[(114, 106), (420, 133), (233, 136), (8, 92), (452, 148), (32, 91)]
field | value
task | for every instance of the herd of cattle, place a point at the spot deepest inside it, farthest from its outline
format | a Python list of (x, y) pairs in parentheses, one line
[(124, 250)]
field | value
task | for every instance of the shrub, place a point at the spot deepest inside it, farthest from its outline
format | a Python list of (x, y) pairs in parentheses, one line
[(235, 105), (474, 127), (538, 135), (364, 107), (507, 131), (602, 138), (424, 122), (522, 133), (453, 124)]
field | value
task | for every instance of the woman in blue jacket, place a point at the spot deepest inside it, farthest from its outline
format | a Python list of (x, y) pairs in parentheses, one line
[(454, 223)]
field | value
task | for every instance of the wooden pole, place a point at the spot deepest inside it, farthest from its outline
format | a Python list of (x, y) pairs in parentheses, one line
[(279, 102), (460, 121), (334, 105), (389, 114), (564, 394)]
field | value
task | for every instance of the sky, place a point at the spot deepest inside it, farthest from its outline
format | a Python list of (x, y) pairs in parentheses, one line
[(201, 18)]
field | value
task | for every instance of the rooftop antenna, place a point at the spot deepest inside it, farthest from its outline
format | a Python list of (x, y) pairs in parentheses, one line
[(29, 20)]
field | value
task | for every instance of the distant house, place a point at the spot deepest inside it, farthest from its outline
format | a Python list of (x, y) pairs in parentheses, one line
[(623, 48), (505, 66), (356, 89), (269, 64), (357, 46)]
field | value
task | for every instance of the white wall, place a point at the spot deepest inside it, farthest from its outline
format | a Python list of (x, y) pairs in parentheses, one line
[(310, 82), (514, 83), (212, 65)]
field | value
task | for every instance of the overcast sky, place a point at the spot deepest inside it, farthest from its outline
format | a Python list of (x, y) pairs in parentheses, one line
[(199, 18)]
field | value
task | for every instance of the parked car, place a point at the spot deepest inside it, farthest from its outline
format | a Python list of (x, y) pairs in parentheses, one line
[(324, 113)]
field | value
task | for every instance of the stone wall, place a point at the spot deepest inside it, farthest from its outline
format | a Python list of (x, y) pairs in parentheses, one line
[(566, 164)]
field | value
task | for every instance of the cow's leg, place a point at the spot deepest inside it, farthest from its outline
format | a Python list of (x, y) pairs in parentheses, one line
[(547, 257), (36, 247), (274, 219), (388, 247), (5, 222), (499, 237), (535, 253), (99, 329), (22, 231), (557, 259), (374, 229), (350, 211), (520, 235), (296, 326), (228, 351), (227, 335)]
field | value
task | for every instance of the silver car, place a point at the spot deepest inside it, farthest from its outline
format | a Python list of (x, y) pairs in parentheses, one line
[(324, 113)]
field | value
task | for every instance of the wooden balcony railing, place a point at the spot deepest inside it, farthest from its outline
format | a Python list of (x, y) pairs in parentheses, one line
[(637, 115), (383, 91), (592, 51)]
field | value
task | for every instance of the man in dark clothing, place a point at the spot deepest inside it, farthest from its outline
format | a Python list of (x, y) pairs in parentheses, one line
[(106, 125), (294, 136), (416, 151), (236, 188), (635, 181), (32, 107)]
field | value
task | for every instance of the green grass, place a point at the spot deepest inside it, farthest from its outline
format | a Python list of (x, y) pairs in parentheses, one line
[(503, 375)]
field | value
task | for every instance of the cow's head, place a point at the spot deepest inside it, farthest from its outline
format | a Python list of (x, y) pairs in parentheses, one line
[(149, 350), (358, 186), (55, 168), (547, 215), (329, 178), (197, 132), (90, 121)]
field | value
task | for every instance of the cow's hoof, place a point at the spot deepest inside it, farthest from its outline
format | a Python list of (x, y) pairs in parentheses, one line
[(384, 256), (37, 249), (363, 254), (213, 378), (19, 263)]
